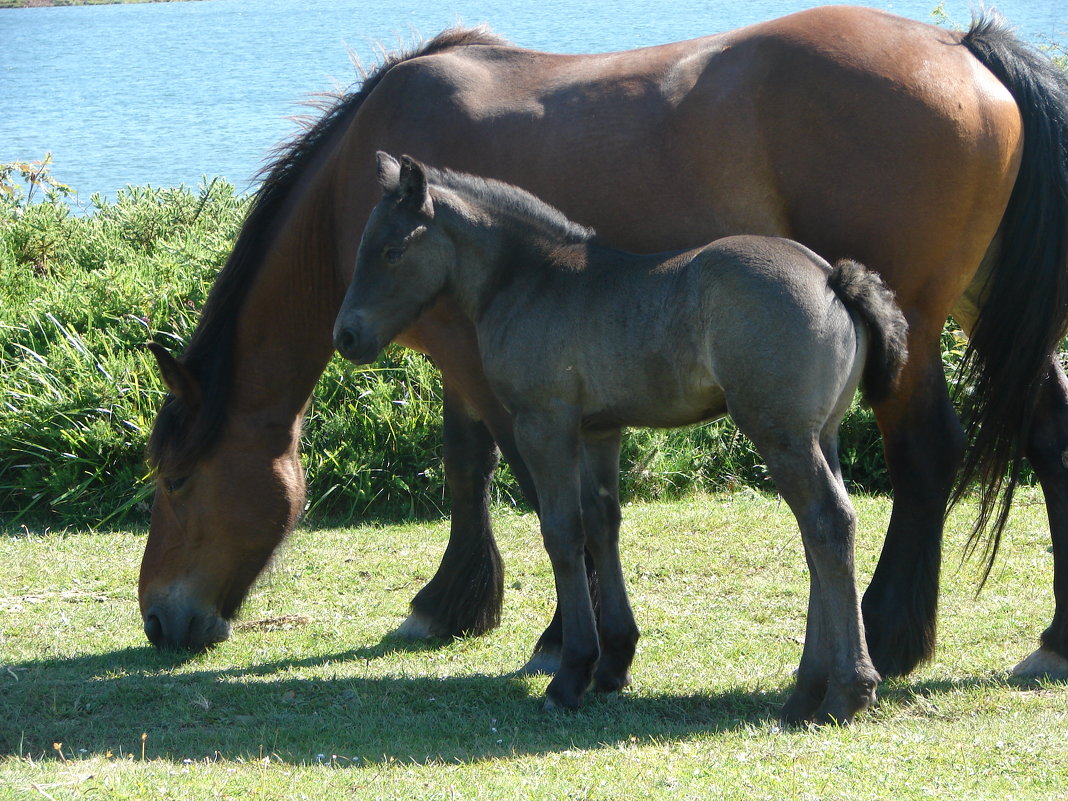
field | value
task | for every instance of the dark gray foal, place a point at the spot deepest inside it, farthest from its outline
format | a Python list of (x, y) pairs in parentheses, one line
[(579, 340)]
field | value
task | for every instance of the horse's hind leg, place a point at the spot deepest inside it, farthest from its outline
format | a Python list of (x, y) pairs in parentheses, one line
[(464, 596), (601, 519), (1047, 450), (923, 443)]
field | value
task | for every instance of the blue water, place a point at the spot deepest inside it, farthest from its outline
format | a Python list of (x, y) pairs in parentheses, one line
[(168, 93)]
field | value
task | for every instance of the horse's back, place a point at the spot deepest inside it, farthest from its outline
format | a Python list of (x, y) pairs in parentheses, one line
[(861, 134)]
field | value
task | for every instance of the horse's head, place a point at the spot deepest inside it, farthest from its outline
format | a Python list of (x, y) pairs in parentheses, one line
[(218, 513), (401, 264)]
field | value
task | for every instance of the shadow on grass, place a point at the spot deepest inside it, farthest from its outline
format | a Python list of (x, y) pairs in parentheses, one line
[(395, 644), (912, 693), (101, 704)]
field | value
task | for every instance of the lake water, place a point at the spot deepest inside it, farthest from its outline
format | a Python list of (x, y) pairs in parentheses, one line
[(168, 93)]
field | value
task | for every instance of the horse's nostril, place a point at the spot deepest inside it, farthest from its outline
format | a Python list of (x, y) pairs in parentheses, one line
[(154, 629)]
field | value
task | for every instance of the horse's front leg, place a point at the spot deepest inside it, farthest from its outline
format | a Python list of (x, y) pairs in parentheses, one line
[(549, 444), (465, 595), (1047, 450), (923, 443)]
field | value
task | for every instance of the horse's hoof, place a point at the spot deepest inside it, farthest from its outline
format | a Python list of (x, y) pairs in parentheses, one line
[(1042, 664), (415, 627), (542, 663)]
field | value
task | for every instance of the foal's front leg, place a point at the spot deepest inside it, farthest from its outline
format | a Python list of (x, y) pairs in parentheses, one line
[(601, 519), (549, 443)]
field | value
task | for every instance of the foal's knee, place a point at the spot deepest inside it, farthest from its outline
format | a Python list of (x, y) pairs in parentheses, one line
[(601, 518), (562, 536)]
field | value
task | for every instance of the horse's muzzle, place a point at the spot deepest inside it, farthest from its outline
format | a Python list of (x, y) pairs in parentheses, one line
[(181, 626)]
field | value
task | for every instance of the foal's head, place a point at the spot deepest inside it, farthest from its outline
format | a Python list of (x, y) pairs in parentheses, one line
[(401, 265)]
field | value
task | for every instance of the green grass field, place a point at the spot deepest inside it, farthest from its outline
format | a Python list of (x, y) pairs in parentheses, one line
[(312, 698)]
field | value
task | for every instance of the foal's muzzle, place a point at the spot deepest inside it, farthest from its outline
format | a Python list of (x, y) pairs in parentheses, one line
[(354, 344)]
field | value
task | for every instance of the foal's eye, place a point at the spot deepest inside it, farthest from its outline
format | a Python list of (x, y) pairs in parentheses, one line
[(392, 254)]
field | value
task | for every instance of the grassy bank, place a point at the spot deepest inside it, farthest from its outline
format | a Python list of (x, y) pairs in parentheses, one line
[(313, 699), (78, 393)]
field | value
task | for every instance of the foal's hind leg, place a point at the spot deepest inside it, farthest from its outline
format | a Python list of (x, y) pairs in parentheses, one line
[(601, 519), (837, 658), (811, 685), (464, 596), (1047, 450)]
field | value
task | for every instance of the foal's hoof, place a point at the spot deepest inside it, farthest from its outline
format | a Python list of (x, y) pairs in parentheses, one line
[(792, 716), (611, 684), (552, 704), (565, 692), (1042, 664), (549, 705)]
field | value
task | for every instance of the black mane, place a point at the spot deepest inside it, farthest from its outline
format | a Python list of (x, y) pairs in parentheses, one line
[(178, 438)]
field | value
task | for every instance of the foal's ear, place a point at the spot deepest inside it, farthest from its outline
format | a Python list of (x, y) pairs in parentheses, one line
[(413, 186), (179, 380), (389, 170)]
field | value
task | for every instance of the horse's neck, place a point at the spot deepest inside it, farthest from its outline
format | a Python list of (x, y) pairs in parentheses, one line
[(282, 342)]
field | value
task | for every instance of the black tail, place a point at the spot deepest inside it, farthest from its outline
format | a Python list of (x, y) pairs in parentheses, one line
[(1025, 313), (866, 296)]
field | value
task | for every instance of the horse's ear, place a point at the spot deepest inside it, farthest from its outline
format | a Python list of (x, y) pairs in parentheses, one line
[(413, 186), (389, 170), (179, 380)]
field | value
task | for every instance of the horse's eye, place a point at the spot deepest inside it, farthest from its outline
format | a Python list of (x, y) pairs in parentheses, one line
[(172, 485), (392, 254)]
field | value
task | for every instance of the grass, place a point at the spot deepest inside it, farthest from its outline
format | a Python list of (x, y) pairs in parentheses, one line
[(313, 698)]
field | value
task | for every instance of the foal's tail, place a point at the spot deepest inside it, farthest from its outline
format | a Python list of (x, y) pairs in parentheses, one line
[(869, 299)]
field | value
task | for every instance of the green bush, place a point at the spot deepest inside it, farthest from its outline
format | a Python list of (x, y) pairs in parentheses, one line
[(78, 393)]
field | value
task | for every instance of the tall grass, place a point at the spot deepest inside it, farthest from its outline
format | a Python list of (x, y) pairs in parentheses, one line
[(80, 294)]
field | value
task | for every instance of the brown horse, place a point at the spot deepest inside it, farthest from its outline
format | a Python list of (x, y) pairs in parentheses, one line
[(936, 158), (579, 340)]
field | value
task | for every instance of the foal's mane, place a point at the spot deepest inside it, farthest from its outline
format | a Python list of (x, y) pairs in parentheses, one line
[(180, 437), (516, 205)]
